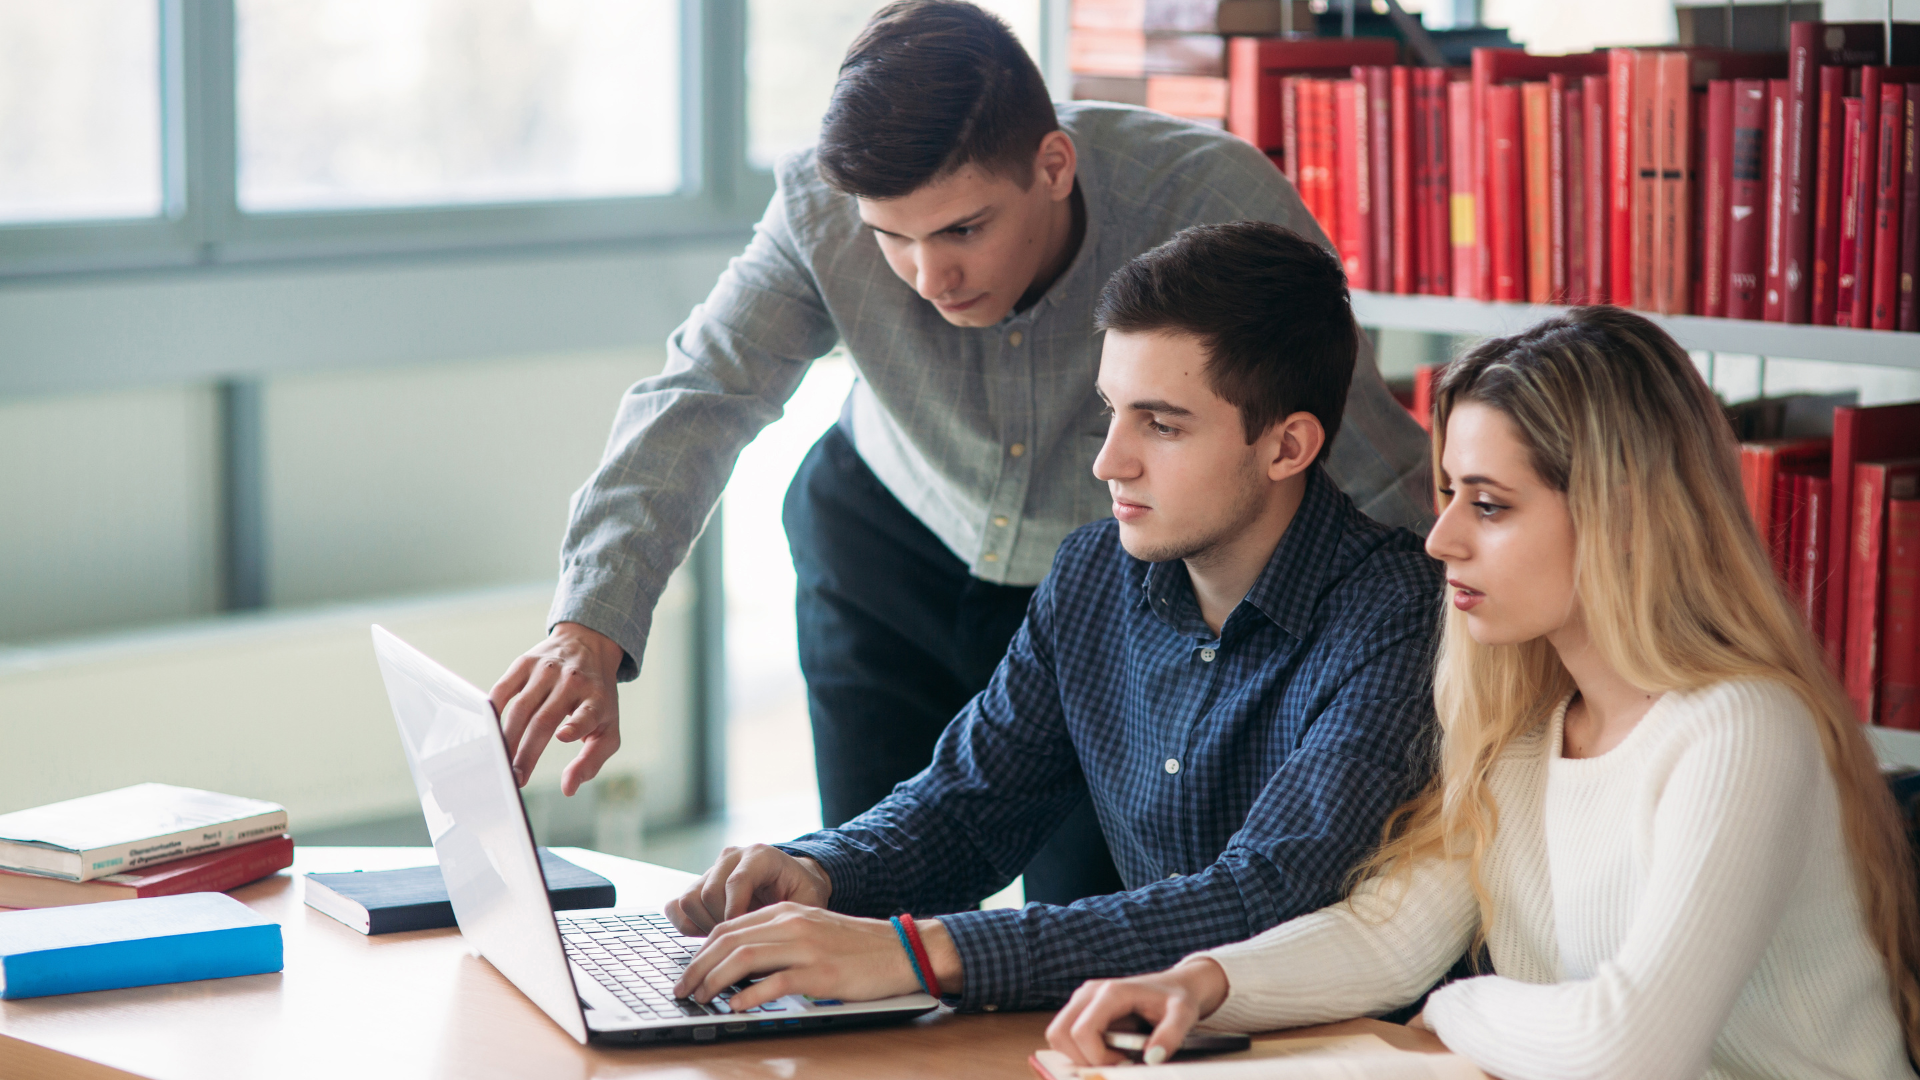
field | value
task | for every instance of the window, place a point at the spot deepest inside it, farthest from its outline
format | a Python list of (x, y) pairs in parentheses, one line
[(79, 110), (361, 103)]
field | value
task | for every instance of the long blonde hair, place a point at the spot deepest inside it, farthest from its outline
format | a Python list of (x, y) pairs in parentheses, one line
[(1676, 589)]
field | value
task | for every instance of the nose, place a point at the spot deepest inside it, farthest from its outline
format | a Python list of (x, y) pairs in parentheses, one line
[(1447, 541), (935, 276), (1115, 461)]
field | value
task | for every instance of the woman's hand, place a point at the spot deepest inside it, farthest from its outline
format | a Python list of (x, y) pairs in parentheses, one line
[(1172, 1000)]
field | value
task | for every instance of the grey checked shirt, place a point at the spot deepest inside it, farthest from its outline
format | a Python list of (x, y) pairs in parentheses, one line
[(987, 435)]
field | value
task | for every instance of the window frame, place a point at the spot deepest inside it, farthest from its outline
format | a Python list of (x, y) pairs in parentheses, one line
[(201, 223)]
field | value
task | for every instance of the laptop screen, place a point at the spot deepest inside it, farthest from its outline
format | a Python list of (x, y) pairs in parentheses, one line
[(479, 826)]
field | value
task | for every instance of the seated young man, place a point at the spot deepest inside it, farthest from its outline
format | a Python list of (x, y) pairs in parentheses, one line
[(1235, 668)]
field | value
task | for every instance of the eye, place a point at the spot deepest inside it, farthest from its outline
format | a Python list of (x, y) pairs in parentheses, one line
[(963, 231), (1160, 428), (1487, 509)]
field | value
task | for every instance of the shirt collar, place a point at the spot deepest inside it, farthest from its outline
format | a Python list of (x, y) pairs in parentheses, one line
[(1288, 588)]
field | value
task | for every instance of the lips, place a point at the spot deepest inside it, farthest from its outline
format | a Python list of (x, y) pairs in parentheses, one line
[(1464, 597), (962, 305), (1129, 511)]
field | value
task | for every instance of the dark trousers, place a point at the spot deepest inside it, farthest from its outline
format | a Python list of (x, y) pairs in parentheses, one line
[(895, 638)]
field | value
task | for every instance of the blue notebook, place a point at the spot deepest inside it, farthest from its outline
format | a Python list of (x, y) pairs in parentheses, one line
[(163, 939)]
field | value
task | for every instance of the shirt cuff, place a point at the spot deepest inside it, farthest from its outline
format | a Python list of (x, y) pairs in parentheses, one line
[(993, 959), (1240, 1011), (577, 600), (843, 871)]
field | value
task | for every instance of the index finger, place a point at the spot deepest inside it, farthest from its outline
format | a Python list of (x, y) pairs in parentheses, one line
[(509, 684)]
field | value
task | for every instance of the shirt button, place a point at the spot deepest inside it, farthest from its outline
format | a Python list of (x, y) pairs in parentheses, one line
[(1000, 521), (1015, 338), (1172, 766), (990, 557), (989, 1007), (1017, 449), (1170, 877), (1206, 656)]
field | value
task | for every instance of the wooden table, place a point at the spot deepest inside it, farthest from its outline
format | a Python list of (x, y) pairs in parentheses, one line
[(350, 1007)]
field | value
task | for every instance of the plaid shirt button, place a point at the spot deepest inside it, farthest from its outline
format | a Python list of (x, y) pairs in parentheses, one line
[(1173, 766)]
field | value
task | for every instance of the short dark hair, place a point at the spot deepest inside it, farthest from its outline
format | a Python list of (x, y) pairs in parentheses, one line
[(928, 87), (1270, 306)]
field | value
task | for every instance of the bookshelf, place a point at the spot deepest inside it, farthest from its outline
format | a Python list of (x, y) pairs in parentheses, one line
[(1450, 315)]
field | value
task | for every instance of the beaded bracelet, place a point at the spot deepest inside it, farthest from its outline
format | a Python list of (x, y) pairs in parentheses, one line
[(900, 928)]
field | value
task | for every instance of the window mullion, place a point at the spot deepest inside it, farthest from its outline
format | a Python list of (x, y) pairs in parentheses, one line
[(207, 123)]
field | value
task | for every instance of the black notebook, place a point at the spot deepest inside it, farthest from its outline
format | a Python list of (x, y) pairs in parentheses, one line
[(389, 901)]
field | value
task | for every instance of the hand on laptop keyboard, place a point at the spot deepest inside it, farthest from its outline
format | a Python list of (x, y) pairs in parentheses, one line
[(797, 949)]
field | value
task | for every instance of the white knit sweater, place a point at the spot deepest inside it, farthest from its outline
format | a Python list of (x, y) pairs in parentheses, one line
[(1677, 907)]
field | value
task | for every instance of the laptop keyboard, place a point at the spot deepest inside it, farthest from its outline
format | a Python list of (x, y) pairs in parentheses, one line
[(638, 958)]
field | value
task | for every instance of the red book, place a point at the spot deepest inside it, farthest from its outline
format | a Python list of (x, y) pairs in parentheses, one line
[(1438, 212), (1423, 377), (1463, 217), (1900, 625), (1696, 213), (1746, 200), (1863, 193), (1410, 181), (1506, 189), (1673, 226), (1718, 185), (1828, 156), (1763, 463), (1255, 66), (214, 871), (1353, 187), (1859, 434), (1886, 208), (1622, 176), (1874, 482), (1596, 97), (1579, 290), (1290, 129), (1320, 156), (1785, 528), (1807, 49), (1557, 259), (1845, 290), (1907, 316), (1646, 175), (1811, 598), (1774, 287), (1380, 172), (1537, 145)]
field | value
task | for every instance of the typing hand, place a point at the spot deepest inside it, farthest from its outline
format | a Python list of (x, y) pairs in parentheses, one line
[(1172, 1000), (801, 950), (566, 682), (743, 879)]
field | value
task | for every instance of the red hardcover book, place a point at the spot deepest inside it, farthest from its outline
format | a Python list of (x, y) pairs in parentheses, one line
[(214, 871), (1874, 433), (1255, 66), (1441, 138), (1537, 145), (1762, 463), (1900, 625), (1463, 216), (1746, 200), (1907, 317), (1673, 293), (1380, 171), (1696, 214), (1785, 529), (1646, 175), (1353, 187), (1864, 189), (1623, 171), (1322, 154), (1507, 173), (1596, 98), (1886, 208), (1718, 185), (1289, 128), (1404, 258), (1806, 51), (1423, 377), (1557, 188), (1774, 284), (1854, 123), (1574, 184), (1818, 511), (1828, 156), (1874, 483)]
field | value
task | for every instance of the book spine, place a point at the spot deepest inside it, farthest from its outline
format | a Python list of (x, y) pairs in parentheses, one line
[(1849, 248), (1697, 206), (1480, 151), (1813, 549), (1246, 110), (1799, 488), (1900, 628), (1400, 123), (1673, 292), (1863, 584), (1886, 208), (1596, 97), (1802, 129), (1622, 177), (1462, 217), (1646, 182), (1746, 199), (1380, 174), (1719, 185), (1579, 287), (270, 856), (1537, 145), (120, 858), (1354, 210), (1436, 229), (1507, 217), (1774, 305), (1780, 526), (1908, 315), (1321, 156), (1826, 198), (1557, 189), (1862, 267), (214, 954)]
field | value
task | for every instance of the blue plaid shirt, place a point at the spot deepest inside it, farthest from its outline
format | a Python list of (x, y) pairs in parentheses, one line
[(1238, 777)]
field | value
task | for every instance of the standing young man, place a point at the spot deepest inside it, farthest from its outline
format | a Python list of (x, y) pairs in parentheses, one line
[(952, 229)]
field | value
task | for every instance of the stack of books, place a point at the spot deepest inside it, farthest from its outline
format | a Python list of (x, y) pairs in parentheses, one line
[(143, 841), (1168, 55)]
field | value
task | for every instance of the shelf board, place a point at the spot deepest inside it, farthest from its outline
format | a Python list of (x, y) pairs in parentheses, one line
[(1449, 315), (1896, 747)]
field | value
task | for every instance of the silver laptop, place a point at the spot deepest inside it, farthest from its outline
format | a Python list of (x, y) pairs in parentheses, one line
[(605, 974)]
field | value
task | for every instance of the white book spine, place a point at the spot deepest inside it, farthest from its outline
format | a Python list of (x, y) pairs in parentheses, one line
[(119, 858)]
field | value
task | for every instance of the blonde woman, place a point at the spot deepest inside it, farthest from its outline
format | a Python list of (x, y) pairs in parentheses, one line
[(1653, 805)]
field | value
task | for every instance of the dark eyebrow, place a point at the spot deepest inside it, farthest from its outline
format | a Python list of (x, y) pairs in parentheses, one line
[(1483, 481), (1167, 408), (961, 223)]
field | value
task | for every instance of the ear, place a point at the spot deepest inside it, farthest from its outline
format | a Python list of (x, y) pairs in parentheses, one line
[(1054, 163), (1292, 444)]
